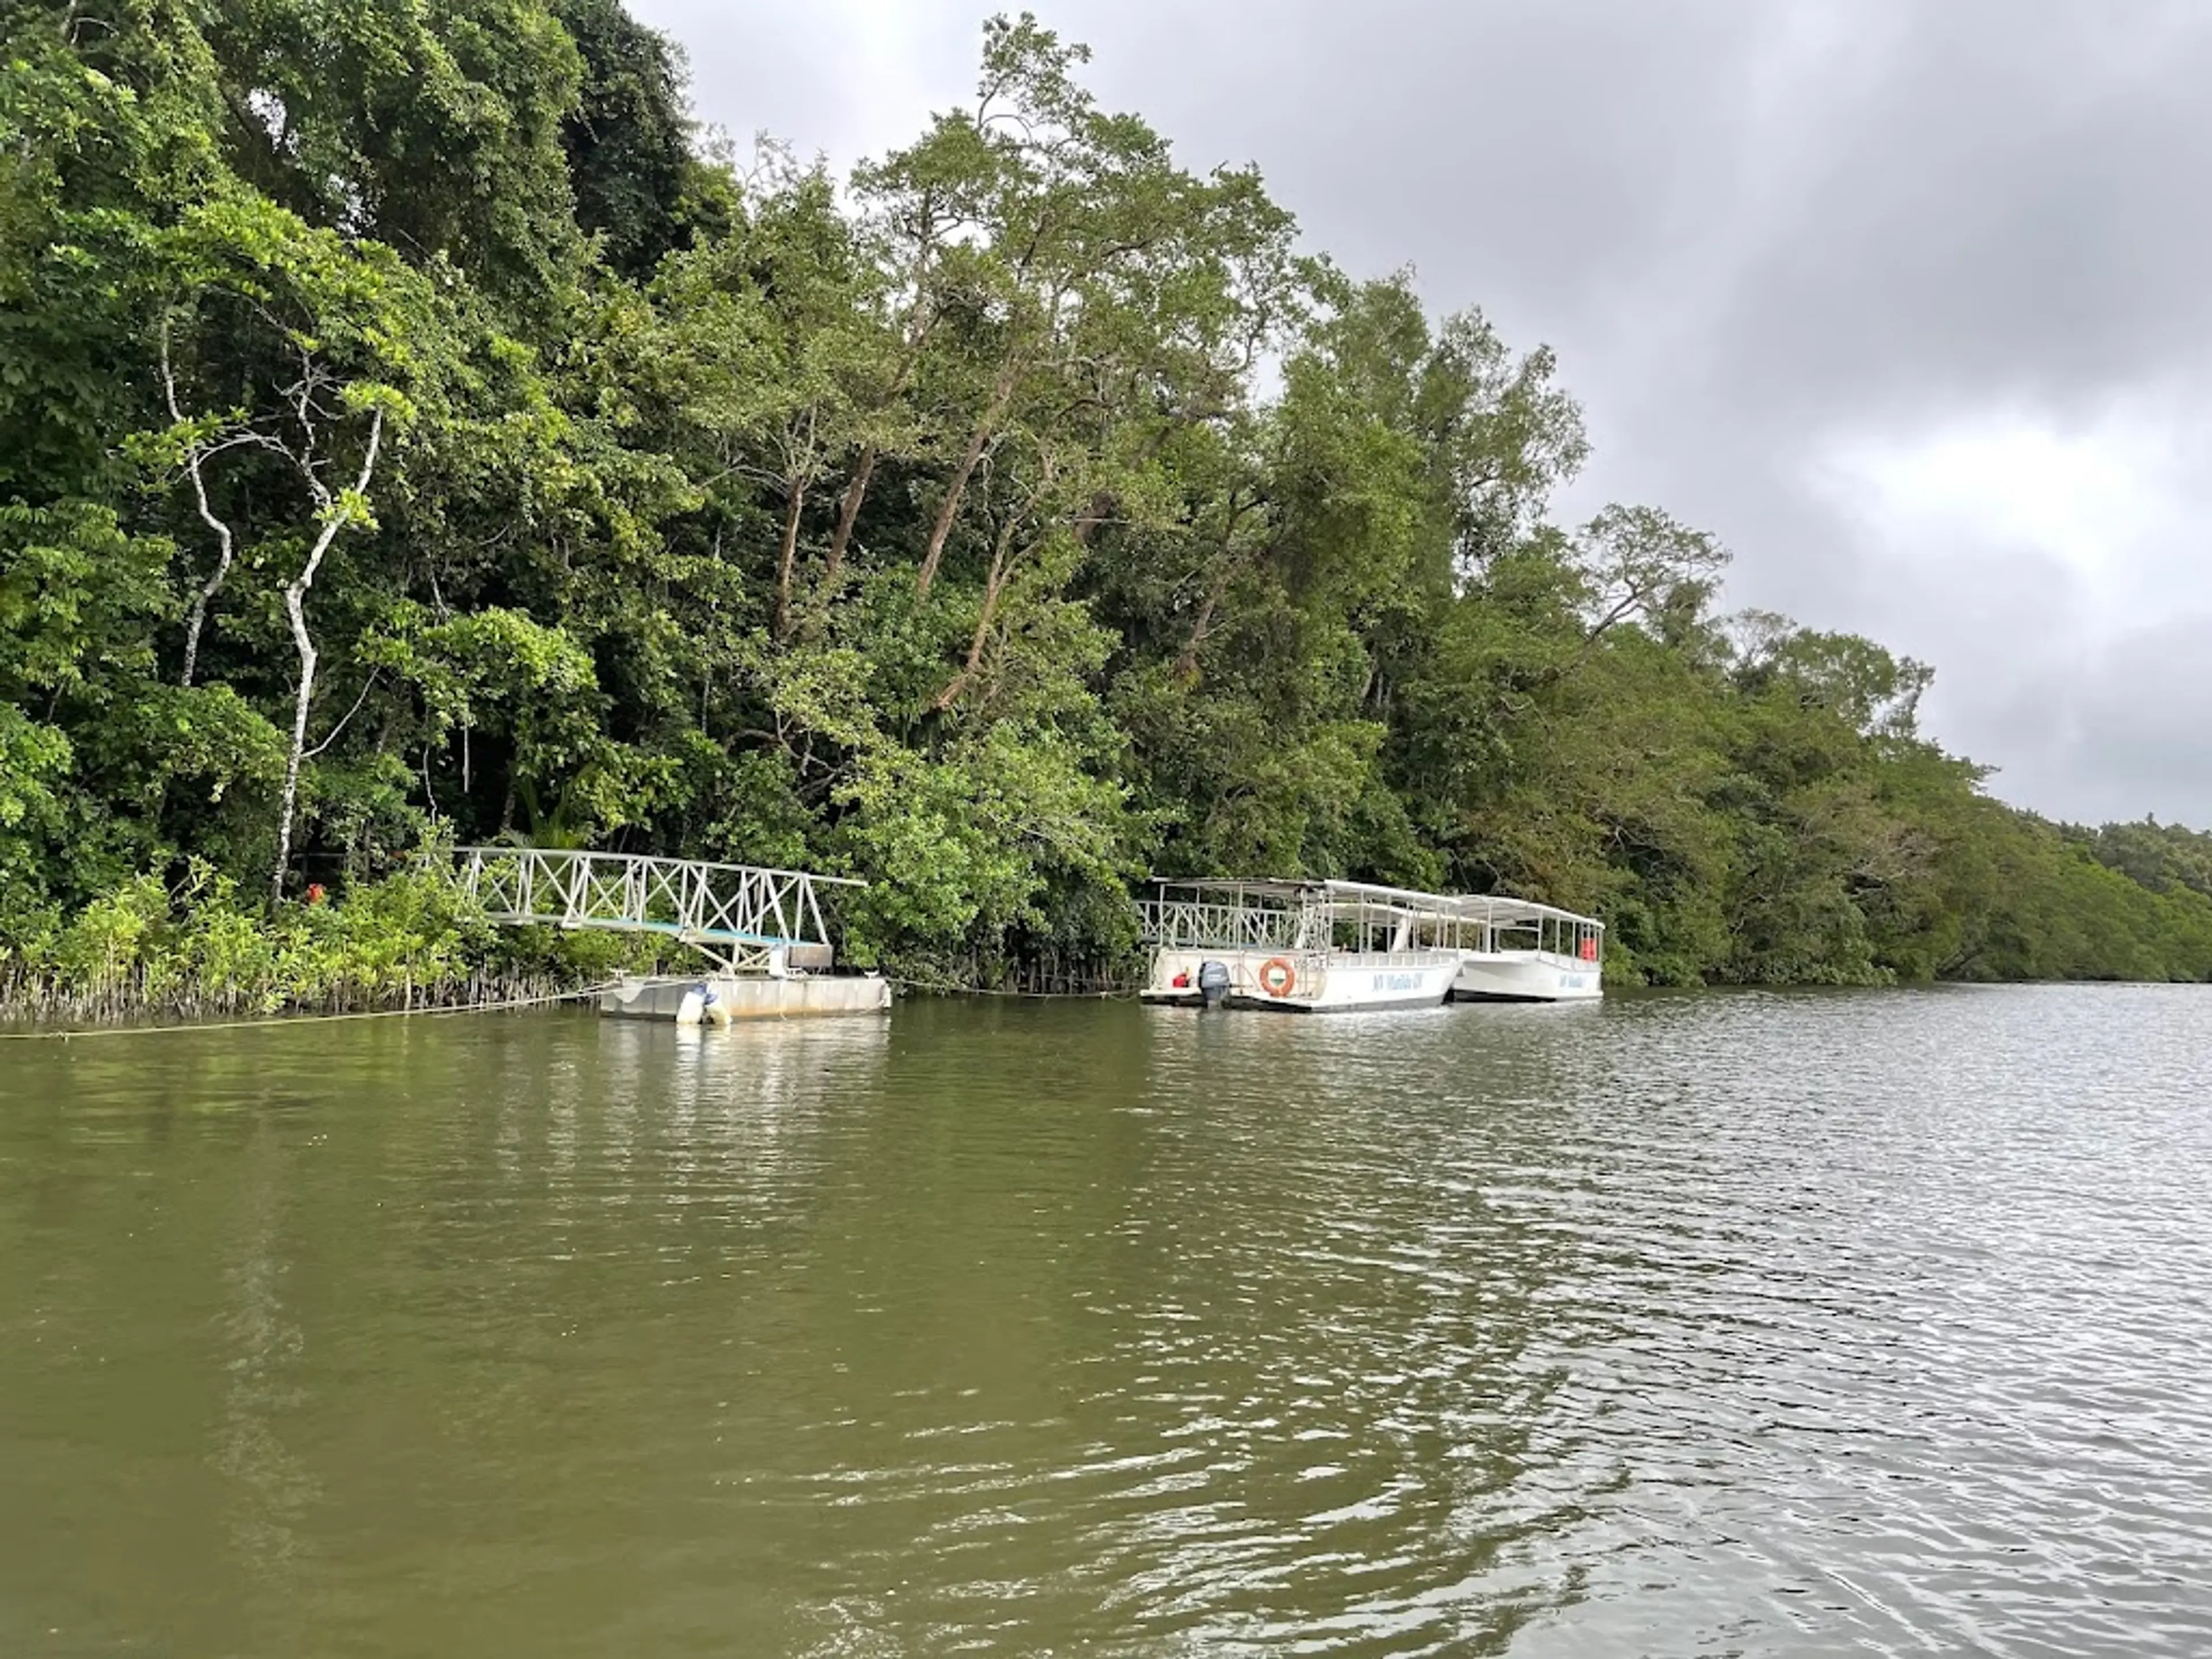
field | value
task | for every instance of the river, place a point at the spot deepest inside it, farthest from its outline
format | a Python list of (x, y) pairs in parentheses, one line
[(1744, 1323)]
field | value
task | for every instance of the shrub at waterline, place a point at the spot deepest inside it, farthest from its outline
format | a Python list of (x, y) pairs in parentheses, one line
[(409, 940)]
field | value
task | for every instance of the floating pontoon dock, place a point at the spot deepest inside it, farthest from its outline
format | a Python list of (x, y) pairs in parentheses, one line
[(762, 930)]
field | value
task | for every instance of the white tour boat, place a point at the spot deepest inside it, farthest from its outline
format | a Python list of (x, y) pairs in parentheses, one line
[(1301, 946), (1513, 950)]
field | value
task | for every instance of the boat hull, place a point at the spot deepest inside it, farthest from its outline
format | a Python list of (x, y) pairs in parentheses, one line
[(1525, 976), (1330, 983)]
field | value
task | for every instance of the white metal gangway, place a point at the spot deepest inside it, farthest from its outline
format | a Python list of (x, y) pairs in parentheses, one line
[(753, 919)]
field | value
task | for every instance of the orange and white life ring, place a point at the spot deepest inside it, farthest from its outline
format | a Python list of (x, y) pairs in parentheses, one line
[(1277, 976)]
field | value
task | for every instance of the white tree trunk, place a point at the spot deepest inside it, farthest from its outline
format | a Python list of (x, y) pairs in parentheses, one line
[(294, 603), (225, 547), (335, 517)]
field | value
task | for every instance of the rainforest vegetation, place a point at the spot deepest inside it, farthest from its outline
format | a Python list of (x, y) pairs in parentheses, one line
[(412, 432)]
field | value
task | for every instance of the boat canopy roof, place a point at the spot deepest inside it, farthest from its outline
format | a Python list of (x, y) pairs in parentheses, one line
[(1496, 909), (1501, 910), (1298, 890)]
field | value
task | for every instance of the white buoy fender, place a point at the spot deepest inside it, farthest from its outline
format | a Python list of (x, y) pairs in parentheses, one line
[(688, 1011), (717, 1012)]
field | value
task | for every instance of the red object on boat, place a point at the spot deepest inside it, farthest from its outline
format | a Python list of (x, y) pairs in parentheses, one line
[(1181, 981), (1590, 950)]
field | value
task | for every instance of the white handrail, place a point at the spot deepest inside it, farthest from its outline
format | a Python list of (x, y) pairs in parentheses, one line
[(699, 901)]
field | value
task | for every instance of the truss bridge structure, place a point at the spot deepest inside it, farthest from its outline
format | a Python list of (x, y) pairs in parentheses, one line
[(748, 920)]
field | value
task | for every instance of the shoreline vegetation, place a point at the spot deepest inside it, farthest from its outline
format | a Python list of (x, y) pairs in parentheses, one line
[(404, 943), (414, 431), (153, 1000)]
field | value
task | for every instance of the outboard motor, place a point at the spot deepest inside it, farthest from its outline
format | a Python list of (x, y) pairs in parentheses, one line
[(1212, 984)]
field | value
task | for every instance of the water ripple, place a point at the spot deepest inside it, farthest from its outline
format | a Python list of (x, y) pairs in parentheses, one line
[(1753, 1324)]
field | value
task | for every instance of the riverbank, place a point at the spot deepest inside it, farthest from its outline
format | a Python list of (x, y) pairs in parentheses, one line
[(37, 1006), (201, 951), (411, 942)]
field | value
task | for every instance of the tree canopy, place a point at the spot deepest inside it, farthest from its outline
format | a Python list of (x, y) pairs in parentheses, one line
[(410, 428)]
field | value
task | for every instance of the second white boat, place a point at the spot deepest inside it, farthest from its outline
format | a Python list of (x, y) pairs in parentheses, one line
[(1513, 950)]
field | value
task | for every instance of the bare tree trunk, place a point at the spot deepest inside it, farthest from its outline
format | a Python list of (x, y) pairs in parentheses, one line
[(788, 555), (1087, 523), (961, 681), (1003, 560), (296, 606), (226, 548), (197, 618), (1186, 663), (335, 516), (941, 532), (848, 515), (856, 492)]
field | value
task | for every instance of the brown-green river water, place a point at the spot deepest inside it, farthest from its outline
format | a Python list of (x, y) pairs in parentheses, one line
[(1842, 1324)]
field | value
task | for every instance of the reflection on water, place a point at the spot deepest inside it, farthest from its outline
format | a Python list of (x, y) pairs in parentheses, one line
[(1745, 1324), (269, 1489)]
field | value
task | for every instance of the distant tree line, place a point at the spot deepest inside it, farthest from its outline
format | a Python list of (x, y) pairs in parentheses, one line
[(410, 431)]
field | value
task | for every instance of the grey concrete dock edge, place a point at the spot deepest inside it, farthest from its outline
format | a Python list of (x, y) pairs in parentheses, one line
[(752, 996)]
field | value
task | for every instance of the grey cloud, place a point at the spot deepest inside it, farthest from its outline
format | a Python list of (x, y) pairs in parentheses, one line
[(2130, 736), (1752, 229), (2009, 210)]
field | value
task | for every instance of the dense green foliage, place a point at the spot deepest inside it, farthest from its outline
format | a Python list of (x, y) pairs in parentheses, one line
[(405, 432), (407, 940)]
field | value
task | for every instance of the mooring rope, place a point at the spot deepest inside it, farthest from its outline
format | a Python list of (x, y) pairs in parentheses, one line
[(268, 1021)]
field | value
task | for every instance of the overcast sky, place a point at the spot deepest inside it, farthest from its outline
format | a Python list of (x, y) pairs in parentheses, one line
[(1909, 301)]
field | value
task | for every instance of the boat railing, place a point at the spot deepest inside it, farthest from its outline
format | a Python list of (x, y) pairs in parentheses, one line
[(1541, 953), (1339, 928), (1198, 924)]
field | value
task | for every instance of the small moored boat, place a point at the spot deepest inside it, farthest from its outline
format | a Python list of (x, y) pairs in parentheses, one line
[(1513, 950), (1299, 946)]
